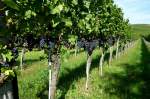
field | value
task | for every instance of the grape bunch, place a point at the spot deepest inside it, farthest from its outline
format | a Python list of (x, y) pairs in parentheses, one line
[(30, 41), (15, 53), (81, 43), (101, 42), (94, 43), (5, 64), (111, 40), (42, 42), (88, 45), (51, 44)]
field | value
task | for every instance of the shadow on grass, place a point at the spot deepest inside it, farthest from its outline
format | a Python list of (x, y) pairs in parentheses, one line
[(66, 80), (28, 62), (78, 52), (134, 83), (106, 58)]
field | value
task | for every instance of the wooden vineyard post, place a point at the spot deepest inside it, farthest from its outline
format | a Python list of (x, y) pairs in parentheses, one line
[(50, 77), (101, 63), (117, 50), (88, 65), (110, 57), (76, 48), (22, 58)]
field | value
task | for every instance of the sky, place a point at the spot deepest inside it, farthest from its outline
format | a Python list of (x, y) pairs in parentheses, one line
[(137, 11)]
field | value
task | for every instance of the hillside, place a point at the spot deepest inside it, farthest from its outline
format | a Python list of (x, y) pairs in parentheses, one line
[(139, 30)]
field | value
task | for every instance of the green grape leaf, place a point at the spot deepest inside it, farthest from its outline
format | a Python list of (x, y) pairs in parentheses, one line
[(72, 39), (55, 1), (75, 2), (11, 4), (68, 22), (57, 9), (9, 73), (55, 22), (29, 14), (81, 23), (87, 4), (88, 17), (88, 26)]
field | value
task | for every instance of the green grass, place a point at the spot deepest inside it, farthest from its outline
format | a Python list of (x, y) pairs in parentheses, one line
[(30, 84), (100, 87), (127, 78), (139, 30), (34, 76)]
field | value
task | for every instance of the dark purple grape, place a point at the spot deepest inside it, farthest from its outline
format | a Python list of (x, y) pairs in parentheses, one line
[(5, 64), (90, 46), (80, 44), (94, 44), (42, 43), (110, 41), (51, 45), (15, 53), (101, 43), (30, 41)]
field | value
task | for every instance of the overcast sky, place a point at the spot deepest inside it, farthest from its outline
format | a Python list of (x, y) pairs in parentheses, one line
[(137, 11)]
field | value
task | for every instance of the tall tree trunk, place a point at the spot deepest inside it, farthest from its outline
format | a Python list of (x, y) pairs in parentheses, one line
[(110, 56), (53, 76), (88, 65), (15, 87), (117, 49), (22, 58), (101, 63)]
